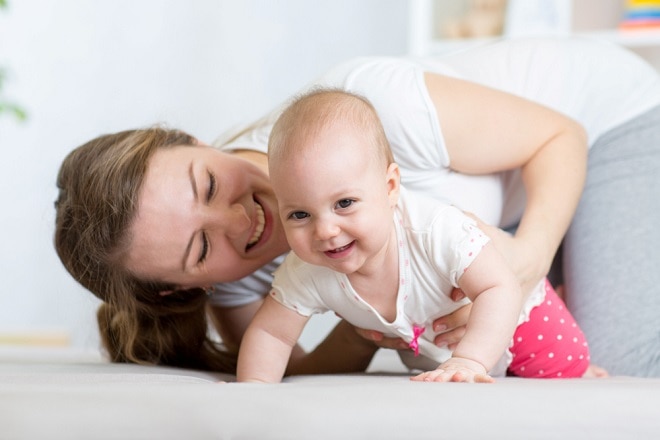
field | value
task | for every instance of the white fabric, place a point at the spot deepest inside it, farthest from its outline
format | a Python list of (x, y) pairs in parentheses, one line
[(246, 290), (437, 243), (571, 75)]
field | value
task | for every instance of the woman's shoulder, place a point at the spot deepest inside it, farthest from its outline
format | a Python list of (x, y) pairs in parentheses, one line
[(365, 73)]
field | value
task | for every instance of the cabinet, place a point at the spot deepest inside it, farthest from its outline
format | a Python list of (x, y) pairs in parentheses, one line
[(434, 25)]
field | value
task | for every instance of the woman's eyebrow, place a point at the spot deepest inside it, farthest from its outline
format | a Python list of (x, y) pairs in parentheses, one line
[(193, 184)]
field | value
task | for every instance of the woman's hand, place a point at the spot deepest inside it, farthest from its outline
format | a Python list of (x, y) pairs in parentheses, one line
[(450, 329), (380, 340)]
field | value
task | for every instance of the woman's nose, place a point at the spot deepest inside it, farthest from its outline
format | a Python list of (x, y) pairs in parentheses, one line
[(233, 220)]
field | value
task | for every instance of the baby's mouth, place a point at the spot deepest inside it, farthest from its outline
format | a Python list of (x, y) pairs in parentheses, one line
[(340, 249), (259, 230)]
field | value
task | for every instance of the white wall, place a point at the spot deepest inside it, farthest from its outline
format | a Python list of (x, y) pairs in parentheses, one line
[(82, 68)]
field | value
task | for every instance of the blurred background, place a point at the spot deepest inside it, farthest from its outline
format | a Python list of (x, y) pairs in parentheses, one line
[(74, 69)]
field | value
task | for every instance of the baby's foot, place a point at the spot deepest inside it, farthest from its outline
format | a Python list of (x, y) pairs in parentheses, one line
[(594, 371)]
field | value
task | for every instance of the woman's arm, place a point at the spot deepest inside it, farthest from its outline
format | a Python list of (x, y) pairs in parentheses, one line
[(342, 351), (489, 131)]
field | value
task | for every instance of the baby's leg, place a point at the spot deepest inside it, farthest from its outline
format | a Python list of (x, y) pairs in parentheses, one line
[(612, 250), (550, 344)]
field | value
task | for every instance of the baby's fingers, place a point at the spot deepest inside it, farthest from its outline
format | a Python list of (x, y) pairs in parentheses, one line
[(430, 376), (441, 375), (483, 378)]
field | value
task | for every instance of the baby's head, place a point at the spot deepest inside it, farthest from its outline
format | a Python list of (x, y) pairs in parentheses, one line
[(334, 176), (309, 117)]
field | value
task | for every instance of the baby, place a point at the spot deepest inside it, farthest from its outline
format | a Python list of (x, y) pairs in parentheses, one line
[(386, 259)]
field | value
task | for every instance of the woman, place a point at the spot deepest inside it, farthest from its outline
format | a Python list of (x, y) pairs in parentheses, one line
[(146, 218)]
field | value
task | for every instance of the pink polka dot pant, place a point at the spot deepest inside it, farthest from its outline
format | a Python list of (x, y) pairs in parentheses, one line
[(550, 344)]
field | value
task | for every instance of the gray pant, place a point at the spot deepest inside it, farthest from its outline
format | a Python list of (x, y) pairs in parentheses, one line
[(611, 254)]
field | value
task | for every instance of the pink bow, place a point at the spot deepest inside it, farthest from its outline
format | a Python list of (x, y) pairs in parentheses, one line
[(414, 344)]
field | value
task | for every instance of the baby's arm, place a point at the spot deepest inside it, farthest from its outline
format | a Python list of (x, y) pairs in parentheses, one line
[(497, 301), (267, 343)]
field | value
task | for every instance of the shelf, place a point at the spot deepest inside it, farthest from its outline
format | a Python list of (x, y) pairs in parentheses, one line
[(590, 18), (632, 39)]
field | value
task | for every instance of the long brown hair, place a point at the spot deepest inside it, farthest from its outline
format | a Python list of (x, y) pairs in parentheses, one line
[(99, 183)]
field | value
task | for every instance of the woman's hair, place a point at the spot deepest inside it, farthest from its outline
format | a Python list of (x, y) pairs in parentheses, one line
[(99, 183)]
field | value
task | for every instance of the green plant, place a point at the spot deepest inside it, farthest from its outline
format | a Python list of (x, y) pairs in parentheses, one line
[(8, 107)]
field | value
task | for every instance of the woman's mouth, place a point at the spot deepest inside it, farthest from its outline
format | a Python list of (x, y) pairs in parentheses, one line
[(260, 226)]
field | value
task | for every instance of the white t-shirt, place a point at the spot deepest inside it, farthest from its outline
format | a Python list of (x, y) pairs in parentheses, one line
[(436, 245), (597, 83)]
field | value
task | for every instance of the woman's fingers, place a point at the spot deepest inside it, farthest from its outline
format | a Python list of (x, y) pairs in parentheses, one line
[(451, 328), (450, 339), (457, 294), (380, 340)]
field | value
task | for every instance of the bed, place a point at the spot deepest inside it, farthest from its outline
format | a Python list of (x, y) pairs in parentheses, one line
[(48, 393)]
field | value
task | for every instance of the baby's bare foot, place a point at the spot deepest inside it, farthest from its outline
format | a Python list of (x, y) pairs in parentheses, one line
[(594, 371)]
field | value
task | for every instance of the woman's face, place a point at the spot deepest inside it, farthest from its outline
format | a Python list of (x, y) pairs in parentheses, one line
[(203, 217)]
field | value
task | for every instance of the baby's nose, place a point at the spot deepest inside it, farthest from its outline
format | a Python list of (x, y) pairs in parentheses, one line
[(326, 229)]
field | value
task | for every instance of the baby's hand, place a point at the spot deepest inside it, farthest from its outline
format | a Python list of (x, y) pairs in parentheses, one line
[(456, 370)]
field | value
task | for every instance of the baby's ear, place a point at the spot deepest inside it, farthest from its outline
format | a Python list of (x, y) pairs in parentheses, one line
[(393, 179)]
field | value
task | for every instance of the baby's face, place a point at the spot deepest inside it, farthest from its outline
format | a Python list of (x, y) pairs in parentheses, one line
[(335, 202)]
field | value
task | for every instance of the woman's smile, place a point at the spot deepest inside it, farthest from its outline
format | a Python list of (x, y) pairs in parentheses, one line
[(259, 225)]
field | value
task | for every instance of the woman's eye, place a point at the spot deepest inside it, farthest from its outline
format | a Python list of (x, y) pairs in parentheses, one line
[(212, 187), (205, 249), (298, 215), (345, 203)]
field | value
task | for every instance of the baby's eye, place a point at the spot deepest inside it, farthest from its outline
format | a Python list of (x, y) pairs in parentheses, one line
[(298, 215), (344, 203)]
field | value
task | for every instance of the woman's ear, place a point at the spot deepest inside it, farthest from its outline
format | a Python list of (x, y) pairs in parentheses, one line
[(393, 180), (166, 292)]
